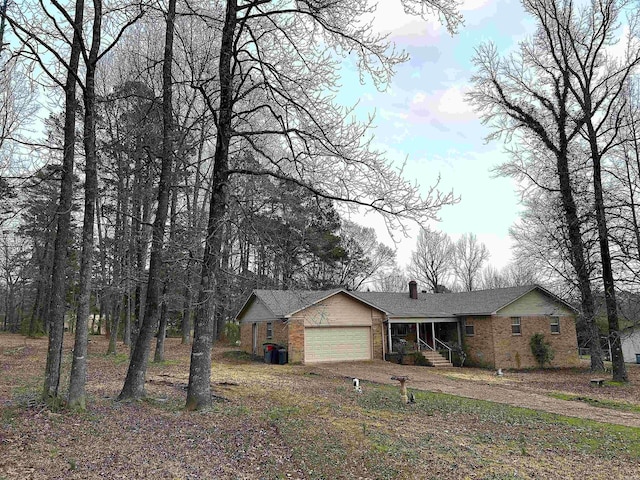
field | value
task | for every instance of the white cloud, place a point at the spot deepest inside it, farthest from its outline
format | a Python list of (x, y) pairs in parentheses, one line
[(391, 115), (452, 102), (419, 98), (445, 105), (390, 18), (468, 5)]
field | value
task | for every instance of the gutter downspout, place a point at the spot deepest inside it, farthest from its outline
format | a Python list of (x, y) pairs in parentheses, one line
[(384, 350)]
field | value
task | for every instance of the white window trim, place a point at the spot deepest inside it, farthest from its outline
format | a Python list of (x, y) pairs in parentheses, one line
[(473, 330), (269, 327), (519, 325), (556, 323)]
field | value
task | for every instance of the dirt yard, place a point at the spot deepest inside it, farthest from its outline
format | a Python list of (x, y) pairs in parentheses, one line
[(530, 389), (306, 422)]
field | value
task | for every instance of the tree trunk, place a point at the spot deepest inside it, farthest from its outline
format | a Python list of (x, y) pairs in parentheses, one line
[(162, 331), (617, 358), (126, 337), (101, 315), (33, 321), (58, 284), (134, 383), (77, 381), (114, 322), (577, 257), (186, 308), (199, 389)]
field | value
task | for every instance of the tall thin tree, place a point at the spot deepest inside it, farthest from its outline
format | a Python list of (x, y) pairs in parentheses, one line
[(134, 383), (77, 396)]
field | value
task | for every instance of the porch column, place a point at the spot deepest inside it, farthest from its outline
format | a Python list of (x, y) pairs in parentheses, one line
[(389, 337), (459, 333), (418, 335), (433, 334)]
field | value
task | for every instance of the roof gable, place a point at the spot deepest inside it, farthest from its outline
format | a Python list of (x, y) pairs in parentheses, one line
[(285, 303)]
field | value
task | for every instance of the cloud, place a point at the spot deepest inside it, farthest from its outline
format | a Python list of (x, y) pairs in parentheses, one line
[(445, 105), (470, 5)]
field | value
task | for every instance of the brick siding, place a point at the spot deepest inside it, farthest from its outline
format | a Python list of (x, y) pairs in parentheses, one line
[(296, 340), (280, 335), (494, 345), (480, 346), (378, 334)]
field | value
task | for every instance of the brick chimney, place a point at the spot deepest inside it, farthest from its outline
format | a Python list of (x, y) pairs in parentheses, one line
[(413, 289)]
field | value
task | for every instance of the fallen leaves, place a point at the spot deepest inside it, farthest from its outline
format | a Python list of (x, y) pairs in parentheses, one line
[(277, 421)]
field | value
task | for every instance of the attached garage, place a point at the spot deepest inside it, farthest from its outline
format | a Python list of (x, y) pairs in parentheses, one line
[(313, 326), (335, 344)]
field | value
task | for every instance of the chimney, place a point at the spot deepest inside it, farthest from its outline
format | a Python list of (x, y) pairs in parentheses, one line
[(413, 289)]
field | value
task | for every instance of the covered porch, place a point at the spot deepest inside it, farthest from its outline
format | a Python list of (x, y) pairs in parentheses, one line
[(423, 334)]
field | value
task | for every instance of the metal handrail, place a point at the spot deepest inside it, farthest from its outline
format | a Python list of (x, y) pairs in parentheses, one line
[(422, 342), (445, 346)]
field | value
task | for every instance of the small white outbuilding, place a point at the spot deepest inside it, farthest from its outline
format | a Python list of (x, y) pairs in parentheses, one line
[(630, 338)]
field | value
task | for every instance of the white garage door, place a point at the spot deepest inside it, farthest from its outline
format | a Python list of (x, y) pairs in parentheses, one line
[(335, 344)]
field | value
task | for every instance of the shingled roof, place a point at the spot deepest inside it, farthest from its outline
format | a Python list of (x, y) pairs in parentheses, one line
[(480, 302), (284, 303)]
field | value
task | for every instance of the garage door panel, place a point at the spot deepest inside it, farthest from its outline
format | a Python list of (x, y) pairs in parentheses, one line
[(336, 344)]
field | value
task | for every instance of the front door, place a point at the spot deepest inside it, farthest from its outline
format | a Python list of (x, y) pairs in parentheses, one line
[(426, 334)]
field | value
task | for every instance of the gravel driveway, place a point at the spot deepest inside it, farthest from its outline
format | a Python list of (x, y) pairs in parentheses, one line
[(479, 384)]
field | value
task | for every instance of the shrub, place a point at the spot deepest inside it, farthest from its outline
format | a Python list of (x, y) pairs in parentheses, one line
[(541, 349), (458, 354), (232, 333), (400, 347), (418, 359)]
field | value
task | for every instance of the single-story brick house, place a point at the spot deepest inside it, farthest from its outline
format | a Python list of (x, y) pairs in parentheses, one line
[(337, 325)]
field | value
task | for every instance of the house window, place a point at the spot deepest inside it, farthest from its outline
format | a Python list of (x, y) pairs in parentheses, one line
[(469, 331), (399, 329), (269, 330), (515, 326), (554, 322)]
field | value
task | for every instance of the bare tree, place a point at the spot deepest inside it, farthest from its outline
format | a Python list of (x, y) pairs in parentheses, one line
[(470, 256), (598, 85), (364, 255), (582, 95), (528, 96), (513, 275), (77, 396), (432, 262), (272, 81), (32, 38), (393, 281), (134, 382), (623, 211)]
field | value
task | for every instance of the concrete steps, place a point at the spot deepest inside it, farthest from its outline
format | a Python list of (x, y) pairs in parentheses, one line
[(435, 359)]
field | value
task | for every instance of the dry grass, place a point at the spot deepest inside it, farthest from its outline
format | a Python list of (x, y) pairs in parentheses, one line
[(287, 422)]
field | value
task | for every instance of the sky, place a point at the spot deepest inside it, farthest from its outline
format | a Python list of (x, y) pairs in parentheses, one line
[(423, 118)]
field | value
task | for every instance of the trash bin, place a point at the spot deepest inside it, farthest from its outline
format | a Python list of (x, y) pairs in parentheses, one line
[(282, 356), (270, 352), (638, 358)]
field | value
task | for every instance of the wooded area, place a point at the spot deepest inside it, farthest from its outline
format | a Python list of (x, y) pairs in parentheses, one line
[(195, 151), (206, 157)]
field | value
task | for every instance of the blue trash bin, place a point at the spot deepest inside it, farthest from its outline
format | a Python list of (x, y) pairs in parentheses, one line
[(282, 356), (638, 358)]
